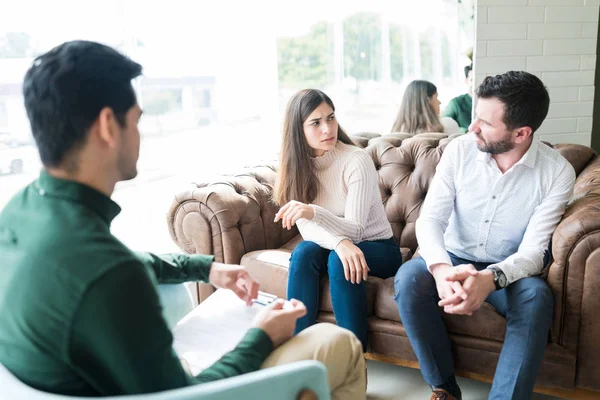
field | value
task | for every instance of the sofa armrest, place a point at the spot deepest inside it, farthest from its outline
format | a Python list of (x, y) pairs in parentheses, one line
[(228, 217), (574, 277)]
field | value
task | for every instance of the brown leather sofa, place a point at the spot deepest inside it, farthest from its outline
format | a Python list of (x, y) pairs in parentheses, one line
[(232, 218)]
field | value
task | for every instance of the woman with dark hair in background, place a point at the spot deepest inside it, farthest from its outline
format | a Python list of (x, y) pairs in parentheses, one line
[(420, 111), (329, 188)]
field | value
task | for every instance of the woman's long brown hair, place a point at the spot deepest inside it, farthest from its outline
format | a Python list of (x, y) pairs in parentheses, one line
[(416, 114), (296, 179)]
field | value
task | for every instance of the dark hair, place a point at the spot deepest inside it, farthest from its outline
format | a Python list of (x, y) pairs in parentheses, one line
[(416, 114), (524, 96), (468, 69), (296, 179), (66, 88)]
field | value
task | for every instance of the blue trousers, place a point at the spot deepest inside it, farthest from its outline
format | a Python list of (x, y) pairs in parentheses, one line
[(309, 262), (527, 305)]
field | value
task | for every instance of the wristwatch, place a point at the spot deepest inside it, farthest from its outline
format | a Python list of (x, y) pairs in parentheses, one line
[(499, 278)]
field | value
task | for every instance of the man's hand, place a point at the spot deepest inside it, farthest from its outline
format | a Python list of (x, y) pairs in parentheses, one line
[(353, 260), (279, 324), (477, 286), (234, 278), (450, 291), (290, 213), (453, 277)]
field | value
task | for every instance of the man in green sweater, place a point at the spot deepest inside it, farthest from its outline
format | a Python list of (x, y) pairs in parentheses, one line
[(79, 311), (460, 108)]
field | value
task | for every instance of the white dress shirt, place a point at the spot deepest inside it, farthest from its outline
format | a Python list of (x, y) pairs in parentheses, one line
[(478, 213)]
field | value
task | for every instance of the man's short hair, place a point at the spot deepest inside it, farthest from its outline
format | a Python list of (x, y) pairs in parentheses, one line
[(468, 69), (66, 88), (525, 98)]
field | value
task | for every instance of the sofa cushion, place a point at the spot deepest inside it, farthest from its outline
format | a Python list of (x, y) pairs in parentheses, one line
[(269, 268), (484, 323)]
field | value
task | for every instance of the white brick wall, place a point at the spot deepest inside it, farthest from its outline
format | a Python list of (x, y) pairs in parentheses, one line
[(508, 48), (586, 93), (569, 46), (553, 39), (564, 94)]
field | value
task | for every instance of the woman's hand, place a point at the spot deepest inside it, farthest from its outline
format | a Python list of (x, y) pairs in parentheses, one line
[(292, 212), (353, 259)]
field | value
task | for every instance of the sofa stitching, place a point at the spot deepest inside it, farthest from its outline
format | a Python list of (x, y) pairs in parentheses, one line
[(565, 286)]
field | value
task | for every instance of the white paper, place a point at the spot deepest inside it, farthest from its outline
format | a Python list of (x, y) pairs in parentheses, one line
[(212, 329)]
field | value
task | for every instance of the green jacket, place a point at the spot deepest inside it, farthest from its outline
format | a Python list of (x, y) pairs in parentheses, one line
[(79, 312), (459, 109)]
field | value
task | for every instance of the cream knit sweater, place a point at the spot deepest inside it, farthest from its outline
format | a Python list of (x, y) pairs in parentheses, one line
[(348, 203)]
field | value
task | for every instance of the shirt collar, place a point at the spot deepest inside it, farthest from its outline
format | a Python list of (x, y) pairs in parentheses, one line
[(528, 158), (101, 204)]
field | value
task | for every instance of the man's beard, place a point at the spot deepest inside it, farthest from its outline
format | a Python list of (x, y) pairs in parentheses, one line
[(499, 147)]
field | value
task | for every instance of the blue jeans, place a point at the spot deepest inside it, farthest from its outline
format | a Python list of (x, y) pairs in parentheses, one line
[(309, 262), (527, 305)]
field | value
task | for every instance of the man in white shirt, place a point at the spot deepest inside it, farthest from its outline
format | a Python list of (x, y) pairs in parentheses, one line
[(484, 230)]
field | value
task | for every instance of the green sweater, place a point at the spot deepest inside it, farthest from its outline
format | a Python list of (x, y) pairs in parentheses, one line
[(459, 109), (79, 312)]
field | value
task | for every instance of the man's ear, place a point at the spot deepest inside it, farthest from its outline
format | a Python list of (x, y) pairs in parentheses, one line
[(523, 134), (107, 127)]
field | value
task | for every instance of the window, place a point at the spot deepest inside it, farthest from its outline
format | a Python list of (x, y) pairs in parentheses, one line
[(3, 115), (217, 78), (364, 55)]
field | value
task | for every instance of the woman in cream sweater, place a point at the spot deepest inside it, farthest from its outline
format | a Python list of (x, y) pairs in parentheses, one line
[(329, 188)]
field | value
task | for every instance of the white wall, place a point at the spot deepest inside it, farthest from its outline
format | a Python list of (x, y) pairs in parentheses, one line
[(553, 39)]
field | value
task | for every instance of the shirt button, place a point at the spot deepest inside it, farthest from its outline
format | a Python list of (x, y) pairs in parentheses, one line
[(42, 192), (480, 244), (494, 197), (487, 221)]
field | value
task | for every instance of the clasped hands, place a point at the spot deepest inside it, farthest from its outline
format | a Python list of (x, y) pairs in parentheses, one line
[(462, 289)]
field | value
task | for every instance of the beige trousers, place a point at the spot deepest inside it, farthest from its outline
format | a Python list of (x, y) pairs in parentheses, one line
[(337, 348)]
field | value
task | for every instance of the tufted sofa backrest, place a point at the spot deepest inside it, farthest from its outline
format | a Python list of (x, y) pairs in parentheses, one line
[(239, 213), (406, 165)]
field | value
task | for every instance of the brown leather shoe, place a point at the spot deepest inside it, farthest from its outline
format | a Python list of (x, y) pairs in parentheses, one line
[(441, 394)]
